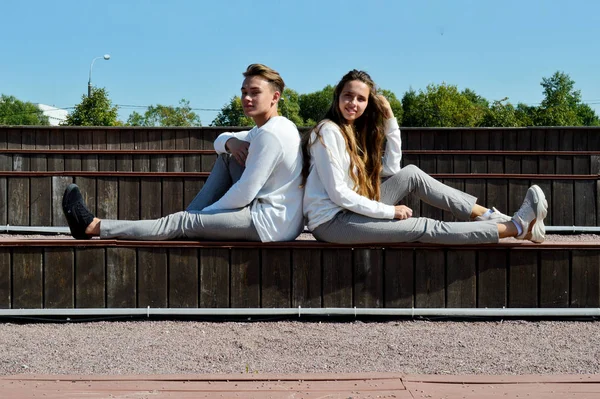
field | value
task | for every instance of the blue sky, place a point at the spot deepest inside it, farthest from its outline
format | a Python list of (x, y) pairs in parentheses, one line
[(163, 51)]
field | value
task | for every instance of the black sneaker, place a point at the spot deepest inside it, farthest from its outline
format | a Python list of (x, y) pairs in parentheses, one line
[(76, 213)]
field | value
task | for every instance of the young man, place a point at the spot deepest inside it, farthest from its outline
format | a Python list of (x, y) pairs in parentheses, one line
[(253, 192)]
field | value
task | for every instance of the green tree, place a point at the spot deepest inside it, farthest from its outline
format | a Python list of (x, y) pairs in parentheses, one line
[(95, 110), (232, 114), (16, 112), (289, 106), (559, 106), (394, 103), (313, 106), (587, 116), (165, 115), (441, 106), (501, 114)]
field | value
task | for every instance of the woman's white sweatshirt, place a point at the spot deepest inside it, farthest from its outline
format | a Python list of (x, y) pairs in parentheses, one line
[(329, 187)]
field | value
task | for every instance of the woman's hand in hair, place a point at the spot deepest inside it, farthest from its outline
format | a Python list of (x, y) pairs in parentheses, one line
[(388, 113), (238, 149), (402, 212)]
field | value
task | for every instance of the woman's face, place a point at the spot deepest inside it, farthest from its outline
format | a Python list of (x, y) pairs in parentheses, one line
[(354, 99)]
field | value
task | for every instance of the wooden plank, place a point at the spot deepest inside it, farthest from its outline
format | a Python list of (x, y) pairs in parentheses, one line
[(245, 278), (529, 163), (90, 281), (151, 194), (477, 187), (151, 189), (307, 280), (399, 277), (129, 188), (5, 278), (71, 137), (141, 163), (585, 199), (337, 278), (563, 190), (129, 198), (430, 278), (497, 193), (585, 279), (127, 142), (27, 143), (491, 278), (368, 278), (517, 188), (214, 278), (207, 161), (562, 196), (40, 206), (27, 283), (121, 277), (101, 142), (3, 201), (59, 277), (56, 142), (183, 278), (523, 279), (276, 278), (428, 163), (5, 165), (461, 278), (554, 279), (86, 142), (152, 277), (584, 191), (18, 188), (172, 199), (413, 142), (59, 184), (39, 162), (192, 163), (108, 198)]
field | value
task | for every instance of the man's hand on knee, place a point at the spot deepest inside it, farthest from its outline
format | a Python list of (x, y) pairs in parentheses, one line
[(238, 149)]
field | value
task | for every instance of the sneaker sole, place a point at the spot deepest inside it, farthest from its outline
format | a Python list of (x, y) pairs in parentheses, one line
[(538, 232)]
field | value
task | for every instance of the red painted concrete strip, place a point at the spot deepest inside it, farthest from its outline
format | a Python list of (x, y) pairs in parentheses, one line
[(504, 379), (329, 386), (491, 390)]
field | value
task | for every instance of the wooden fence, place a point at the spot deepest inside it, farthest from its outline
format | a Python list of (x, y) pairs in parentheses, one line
[(132, 173)]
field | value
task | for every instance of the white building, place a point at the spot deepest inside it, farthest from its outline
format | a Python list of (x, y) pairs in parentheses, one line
[(55, 115)]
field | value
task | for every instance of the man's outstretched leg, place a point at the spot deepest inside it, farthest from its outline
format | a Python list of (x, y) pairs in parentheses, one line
[(223, 175), (236, 224)]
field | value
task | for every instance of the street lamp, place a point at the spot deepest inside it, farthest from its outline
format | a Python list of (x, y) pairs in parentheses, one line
[(106, 57)]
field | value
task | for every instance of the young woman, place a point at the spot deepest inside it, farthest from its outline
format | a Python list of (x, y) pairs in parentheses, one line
[(352, 187), (253, 192)]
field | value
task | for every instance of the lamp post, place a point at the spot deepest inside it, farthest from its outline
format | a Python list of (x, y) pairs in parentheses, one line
[(106, 57)]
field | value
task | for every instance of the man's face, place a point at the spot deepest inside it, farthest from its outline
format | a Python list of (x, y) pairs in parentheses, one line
[(258, 96)]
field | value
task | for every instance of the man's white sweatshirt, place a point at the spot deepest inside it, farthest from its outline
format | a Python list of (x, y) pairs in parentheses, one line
[(270, 184)]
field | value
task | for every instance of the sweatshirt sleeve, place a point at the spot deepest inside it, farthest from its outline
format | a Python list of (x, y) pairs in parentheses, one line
[(264, 154), (220, 141), (393, 148), (327, 158)]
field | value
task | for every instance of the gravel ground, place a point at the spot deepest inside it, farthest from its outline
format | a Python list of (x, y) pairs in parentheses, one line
[(190, 347)]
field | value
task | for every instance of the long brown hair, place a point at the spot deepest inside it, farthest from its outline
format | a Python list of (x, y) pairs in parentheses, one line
[(364, 139)]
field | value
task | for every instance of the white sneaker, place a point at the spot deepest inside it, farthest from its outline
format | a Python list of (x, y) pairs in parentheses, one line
[(534, 208), (496, 216)]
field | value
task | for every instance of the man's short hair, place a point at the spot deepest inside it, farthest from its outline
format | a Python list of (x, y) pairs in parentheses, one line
[(268, 74)]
